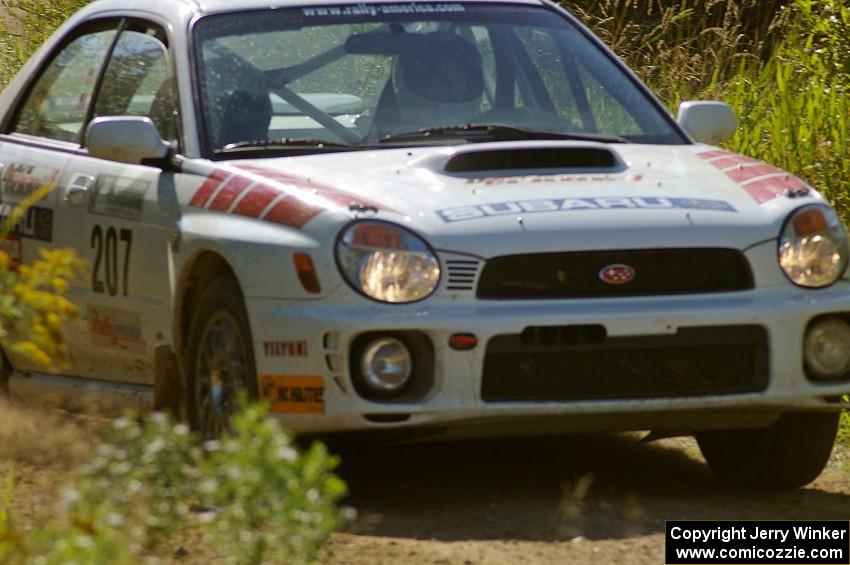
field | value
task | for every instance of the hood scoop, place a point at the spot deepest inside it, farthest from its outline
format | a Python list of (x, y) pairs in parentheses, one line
[(525, 158)]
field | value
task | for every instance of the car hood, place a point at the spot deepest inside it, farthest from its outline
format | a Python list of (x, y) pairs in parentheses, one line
[(517, 197)]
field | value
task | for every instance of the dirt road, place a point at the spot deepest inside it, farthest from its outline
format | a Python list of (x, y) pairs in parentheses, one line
[(577, 500), (582, 500)]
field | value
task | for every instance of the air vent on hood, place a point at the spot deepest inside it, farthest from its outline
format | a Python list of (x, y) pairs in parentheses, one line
[(537, 159)]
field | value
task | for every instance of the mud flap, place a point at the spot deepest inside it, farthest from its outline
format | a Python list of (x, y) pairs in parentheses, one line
[(168, 389)]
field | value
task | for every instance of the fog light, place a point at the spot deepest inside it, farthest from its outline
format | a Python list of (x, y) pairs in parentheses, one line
[(826, 349), (386, 366)]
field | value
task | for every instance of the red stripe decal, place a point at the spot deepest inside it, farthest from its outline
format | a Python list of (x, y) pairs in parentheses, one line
[(743, 174), (199, 200), (229, 192), (292, 212), (768, 189), (712, 154), (303, 199), (329, 193), (744, 170), (298, 182), (253, 203), (732, 161)]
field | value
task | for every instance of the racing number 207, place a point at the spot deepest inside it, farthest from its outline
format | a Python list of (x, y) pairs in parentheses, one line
[(106, 255)]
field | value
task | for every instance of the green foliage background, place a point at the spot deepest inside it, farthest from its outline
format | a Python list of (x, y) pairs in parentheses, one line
[(254, 497), (784, 65)]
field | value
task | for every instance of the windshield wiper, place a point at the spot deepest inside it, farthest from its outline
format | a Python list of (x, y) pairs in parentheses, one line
[(282, 143), (496, 132)]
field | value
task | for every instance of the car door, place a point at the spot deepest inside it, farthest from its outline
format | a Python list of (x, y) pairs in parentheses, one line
[(36, 147), (124, 215)]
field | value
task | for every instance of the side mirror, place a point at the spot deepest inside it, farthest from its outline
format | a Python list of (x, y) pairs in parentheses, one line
[(126, 139), (708, 122)]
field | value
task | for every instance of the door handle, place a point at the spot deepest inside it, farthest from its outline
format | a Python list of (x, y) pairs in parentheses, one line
[(77, 191)]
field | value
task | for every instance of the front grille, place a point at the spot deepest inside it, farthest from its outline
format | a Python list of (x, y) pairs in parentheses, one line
[(577, 274), (692, 362)]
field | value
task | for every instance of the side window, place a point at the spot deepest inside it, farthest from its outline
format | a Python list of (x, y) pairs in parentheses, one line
[(137, 82), (57, 104)]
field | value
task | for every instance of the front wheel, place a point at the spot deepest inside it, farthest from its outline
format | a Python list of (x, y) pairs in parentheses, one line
[(220, 358), (788, 454)]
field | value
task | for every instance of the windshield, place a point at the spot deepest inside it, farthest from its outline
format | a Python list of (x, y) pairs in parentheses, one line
[(363, 74)]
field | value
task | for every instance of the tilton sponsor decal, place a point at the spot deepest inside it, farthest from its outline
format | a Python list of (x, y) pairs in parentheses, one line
[(463, 213), (285, 348)]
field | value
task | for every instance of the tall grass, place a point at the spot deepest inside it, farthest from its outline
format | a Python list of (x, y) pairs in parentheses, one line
[(685, 47), (783, 65), (798, 122), (37, 19)]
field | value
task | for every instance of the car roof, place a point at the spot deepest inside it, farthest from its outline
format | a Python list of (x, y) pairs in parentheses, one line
[(201, 7)]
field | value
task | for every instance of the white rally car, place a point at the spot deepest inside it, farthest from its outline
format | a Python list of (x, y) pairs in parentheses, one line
[(437, 219)]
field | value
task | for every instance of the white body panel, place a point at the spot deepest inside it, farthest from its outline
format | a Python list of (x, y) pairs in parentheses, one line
[(657, 197)]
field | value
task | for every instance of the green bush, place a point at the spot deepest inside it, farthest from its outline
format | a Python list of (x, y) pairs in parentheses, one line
[(253, 495), (33, 298), (273, 504)]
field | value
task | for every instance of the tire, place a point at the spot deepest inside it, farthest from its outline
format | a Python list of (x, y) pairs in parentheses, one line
[(220, 358), (788, 454)]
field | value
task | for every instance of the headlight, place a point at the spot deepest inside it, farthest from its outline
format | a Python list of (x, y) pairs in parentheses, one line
[(813, 246), (387, 262)]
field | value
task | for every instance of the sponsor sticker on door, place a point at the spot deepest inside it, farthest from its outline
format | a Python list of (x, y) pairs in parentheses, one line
[(35, 223), (119, 197), (116, 329), (21, 180)]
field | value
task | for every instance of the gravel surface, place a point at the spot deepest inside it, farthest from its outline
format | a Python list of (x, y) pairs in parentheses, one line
[(578, 499), (582, 499)]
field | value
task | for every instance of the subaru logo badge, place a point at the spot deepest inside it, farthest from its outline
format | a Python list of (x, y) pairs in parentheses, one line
[(617, 273)]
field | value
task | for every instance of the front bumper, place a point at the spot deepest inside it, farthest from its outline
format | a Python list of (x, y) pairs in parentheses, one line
[(327, 329)]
